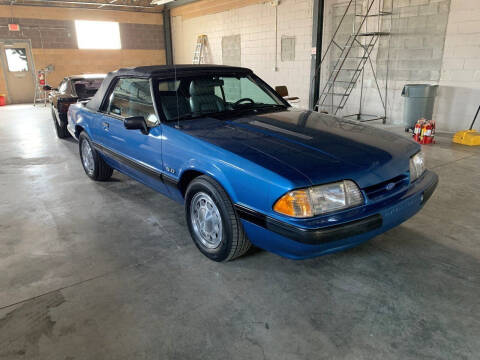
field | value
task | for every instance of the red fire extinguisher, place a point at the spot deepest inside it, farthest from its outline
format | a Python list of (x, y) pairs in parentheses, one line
[(41, 78), (429, 133), (417, 131), (424, 131)]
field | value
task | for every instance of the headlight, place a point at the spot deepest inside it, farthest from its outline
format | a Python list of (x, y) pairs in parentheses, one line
[(319, 200), (417, 166)]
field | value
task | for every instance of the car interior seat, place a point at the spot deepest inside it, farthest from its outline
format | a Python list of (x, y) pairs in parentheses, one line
[(282, 90), (81, 90), (169, 103), (203, 98)]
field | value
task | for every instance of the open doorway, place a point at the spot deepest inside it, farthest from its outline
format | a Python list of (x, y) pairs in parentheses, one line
[(18, 70)]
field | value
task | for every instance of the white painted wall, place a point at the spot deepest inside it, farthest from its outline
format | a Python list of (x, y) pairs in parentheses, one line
[(459, 83), (414, 51), (459, 91), (256, 26)]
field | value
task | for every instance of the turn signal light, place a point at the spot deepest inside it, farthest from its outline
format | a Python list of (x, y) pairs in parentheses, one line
[(294, 203)]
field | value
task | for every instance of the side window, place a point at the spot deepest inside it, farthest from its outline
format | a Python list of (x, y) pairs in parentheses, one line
[(232, 89), (132, 97), (251, 90), (62, 87), (236, 89), (218, 92)]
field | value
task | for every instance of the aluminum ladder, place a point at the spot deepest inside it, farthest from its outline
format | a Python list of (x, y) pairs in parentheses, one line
[(199, 54)]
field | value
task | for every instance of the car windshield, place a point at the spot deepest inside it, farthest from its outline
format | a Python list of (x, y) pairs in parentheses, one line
[(86, 88), (190, 97)]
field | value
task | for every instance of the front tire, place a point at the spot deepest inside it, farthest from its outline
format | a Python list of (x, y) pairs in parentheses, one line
[(213, 224), (95, 167), (60, 129)]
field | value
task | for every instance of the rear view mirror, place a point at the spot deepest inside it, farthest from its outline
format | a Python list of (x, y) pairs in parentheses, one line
[(136, 123)]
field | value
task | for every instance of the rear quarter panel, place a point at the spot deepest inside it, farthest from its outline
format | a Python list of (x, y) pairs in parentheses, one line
[(79, 117)]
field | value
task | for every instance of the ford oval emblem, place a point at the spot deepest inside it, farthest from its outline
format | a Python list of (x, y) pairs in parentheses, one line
[(390, 186)]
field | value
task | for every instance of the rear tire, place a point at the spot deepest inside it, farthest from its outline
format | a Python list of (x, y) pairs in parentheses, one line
[(60, 129), (212, 221), (95, 167)]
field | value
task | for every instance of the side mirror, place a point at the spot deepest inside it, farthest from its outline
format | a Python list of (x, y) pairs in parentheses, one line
[(136, 123), (49, 88)]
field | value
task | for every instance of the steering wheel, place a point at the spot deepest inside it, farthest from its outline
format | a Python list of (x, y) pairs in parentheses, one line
[(238, 102)]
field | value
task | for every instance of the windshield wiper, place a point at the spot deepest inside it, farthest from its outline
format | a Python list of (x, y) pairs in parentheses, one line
[(185, 117), (190, 116), (262, 106), (271, 106)]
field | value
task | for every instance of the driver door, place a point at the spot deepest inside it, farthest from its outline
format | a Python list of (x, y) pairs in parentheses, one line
[(137, 154)]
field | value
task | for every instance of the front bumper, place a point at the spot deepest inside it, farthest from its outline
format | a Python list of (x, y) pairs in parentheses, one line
[(294, 241)]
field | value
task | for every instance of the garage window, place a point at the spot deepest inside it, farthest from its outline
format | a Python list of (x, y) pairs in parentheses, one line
[(97, 34), (16, 60)]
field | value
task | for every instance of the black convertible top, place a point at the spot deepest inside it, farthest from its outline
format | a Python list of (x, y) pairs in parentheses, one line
[(86, 76), (161, 71)]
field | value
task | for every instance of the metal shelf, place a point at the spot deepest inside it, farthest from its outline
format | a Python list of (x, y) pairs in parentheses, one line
[(374, 33), (337, 94), (382, 13)]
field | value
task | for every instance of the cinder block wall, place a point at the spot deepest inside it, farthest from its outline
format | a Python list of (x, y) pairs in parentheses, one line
[(256, 26), (433, 42), (51, 32), (459, 91), (414, 52)]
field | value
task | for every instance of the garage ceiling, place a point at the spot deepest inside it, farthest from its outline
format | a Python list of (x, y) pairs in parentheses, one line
[(129, 5)]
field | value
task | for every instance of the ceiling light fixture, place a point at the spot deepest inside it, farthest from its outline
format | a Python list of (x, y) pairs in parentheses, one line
[(160, 2)]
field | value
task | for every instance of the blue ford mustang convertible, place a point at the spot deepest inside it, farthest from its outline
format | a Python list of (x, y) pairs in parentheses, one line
[(249, 168)]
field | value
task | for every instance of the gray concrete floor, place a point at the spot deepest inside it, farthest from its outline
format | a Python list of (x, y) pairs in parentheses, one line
[(108, 271)]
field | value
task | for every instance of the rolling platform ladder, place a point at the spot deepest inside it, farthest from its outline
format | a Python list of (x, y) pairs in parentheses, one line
[(349, 58)]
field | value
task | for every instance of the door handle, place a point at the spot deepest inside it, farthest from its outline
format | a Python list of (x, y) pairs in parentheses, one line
[(105, 125)]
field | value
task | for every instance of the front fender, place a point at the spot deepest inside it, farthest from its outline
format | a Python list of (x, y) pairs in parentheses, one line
[(211, 169), (245, 182)]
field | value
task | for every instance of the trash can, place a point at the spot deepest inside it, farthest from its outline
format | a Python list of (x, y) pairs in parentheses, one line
[(419, 101)]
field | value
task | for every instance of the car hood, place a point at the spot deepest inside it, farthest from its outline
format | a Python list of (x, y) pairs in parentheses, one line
[(320, 147)]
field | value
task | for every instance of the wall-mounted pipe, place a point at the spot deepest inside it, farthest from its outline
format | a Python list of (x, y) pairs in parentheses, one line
[(51, 3), (110, 2), (275, 65)]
